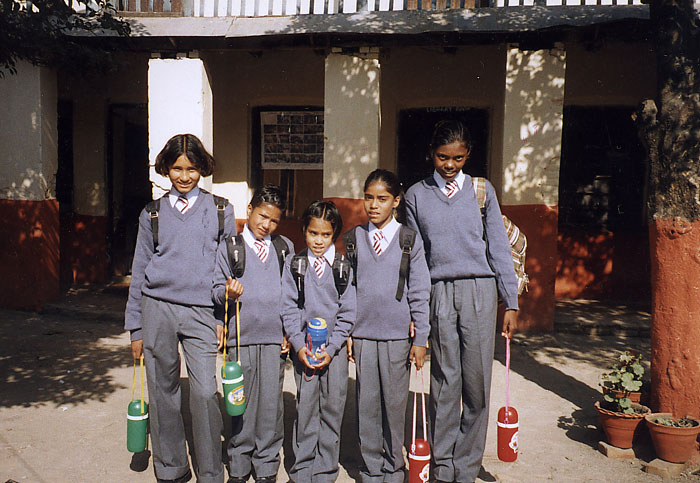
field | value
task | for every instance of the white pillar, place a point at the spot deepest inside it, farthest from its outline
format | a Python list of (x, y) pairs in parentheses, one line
[(351, 124), (179, 102), (534, 99), (28, 116)]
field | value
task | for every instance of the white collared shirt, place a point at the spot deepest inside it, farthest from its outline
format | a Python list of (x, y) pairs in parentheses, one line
[(328, 255), (442, 183), (191, 196), (250, 238), (388, 231)]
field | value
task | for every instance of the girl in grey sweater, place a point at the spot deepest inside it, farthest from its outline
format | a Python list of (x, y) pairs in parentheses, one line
[(466, 281), (384, 338), (170, 304)]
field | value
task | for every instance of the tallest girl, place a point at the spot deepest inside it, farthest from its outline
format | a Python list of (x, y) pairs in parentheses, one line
[(466, 279)]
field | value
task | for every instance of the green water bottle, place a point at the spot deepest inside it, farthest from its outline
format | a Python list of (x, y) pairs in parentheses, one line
[(234, 394), (136, 426)]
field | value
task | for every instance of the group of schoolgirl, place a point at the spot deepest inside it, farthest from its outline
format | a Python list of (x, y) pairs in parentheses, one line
[(396, 285)]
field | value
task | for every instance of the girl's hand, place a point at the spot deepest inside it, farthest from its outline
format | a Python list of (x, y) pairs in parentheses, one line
[(136, 349), (417, 355), (220, 337), (351, 356), (285, 345), (412, 329), (323, 362), (510, 323), (234, 288)]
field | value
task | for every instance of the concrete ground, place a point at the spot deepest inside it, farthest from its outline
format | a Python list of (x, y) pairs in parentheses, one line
[(65, 382)]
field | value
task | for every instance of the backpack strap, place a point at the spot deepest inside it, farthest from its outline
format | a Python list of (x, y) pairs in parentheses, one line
[(282, 249), (152, 208), (220, 209), (350, 239), (300, 262), (341, 273), (480, 192), (235, 250), (407, 237)]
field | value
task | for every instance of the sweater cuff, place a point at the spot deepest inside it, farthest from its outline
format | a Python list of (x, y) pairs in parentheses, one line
[(420, 340), (297, 342), (332, 350), (136, 334)]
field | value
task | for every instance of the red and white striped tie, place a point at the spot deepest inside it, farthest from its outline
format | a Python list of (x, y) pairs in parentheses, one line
[(378, 237), (261, 249), (452, 187), (319, 267), (181, 203)]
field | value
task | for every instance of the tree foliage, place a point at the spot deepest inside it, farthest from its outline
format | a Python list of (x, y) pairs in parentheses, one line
[(54, 33)]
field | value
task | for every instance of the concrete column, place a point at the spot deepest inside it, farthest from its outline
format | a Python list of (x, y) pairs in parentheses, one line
[(29, 238), (179, 102), (351, 128), (533, 119)]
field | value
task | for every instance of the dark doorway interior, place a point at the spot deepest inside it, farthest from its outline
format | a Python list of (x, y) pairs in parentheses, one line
[(415, 130), (129, 187)]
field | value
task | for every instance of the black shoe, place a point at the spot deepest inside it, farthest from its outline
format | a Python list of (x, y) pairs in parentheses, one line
[(237, 479), (183, 479), (266, 479)]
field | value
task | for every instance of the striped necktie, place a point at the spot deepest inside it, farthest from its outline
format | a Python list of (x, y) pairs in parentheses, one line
[(319, 267), (452, 187), (181, 203), (261, 250), (377, 245)]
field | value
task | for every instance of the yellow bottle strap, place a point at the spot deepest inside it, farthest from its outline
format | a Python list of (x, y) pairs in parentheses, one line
[(225, 324), (142, 404)]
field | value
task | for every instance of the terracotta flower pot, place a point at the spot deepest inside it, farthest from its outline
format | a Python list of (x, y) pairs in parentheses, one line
[(619, 428), (674, 445)]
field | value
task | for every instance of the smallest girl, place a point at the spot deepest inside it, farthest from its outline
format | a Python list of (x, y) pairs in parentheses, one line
[(310, 290), (392, 325)]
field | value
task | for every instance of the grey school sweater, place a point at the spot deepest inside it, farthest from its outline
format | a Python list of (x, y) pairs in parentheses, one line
[(321, 300), (452, 233), (379, 315), (181, 270), (260, 302)]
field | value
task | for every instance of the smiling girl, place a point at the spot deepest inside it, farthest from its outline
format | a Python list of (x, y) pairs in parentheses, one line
[(384, 340), (321, 387), (170, 304)]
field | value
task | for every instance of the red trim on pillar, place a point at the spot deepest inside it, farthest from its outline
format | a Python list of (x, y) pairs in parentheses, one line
[(353, 213), (87, 249), (539, 224), (29, 253), (675, 331)]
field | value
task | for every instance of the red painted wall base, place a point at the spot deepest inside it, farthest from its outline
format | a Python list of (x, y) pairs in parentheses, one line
[(29, 253), (675, 331)]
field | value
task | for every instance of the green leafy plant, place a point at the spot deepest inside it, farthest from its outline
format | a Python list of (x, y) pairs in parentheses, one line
[(623, 378), (675, 422)]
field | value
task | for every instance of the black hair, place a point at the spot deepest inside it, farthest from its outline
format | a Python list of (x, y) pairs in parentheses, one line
[(271, 194), (326, 210), (393, 186), (448, 132), (191, 147)]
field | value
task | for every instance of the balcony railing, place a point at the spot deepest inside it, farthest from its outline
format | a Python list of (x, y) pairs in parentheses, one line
[(263, 8)]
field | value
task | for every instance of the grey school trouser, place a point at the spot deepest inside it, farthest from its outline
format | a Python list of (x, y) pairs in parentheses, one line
[(258, 433), (382, 391), (462, 335), (164, 326), (320, 406)]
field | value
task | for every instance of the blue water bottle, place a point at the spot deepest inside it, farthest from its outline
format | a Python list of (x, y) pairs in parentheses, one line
[(316, 339)]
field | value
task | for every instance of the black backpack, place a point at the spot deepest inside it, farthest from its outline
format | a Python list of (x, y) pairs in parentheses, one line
[(153, 206), (341, 274), (235, 250), (407, 237)]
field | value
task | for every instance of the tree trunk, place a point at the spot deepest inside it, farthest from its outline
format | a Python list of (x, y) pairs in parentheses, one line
[(670, 127)]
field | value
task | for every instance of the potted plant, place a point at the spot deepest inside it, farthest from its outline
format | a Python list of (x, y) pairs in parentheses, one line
[(619, 415), (625, 377), (673, 438)]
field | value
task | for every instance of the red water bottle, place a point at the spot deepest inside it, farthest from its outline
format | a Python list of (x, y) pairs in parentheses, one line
[(419, 456), (507, 421)]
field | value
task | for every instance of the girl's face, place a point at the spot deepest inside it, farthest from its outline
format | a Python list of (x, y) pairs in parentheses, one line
[(380, 204), (263, 219), (183, 174), (319, 236), (449, 159)]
